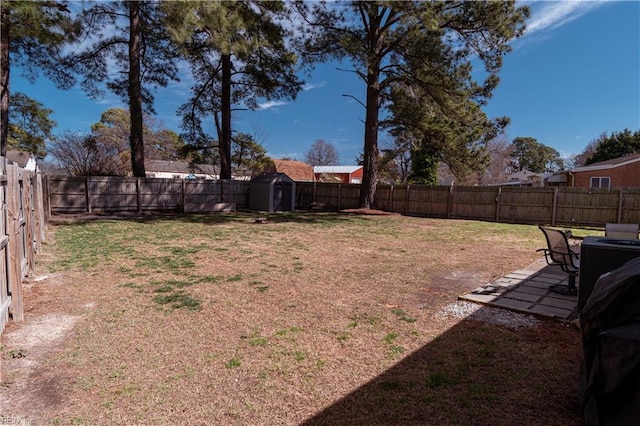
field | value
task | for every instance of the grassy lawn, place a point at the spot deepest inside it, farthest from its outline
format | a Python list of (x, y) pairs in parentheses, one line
[(308, 318)]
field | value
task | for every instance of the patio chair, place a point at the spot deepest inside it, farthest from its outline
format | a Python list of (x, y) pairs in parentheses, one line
[(559, 253), (621, 230)]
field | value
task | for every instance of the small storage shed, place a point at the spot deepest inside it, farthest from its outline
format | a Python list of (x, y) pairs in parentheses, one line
[(272, 192)]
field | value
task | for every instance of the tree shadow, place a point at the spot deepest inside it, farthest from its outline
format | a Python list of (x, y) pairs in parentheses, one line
[(216, 218), (473, 374)]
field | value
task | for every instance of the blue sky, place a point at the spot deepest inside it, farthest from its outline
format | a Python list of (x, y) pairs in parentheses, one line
[(574, 75)]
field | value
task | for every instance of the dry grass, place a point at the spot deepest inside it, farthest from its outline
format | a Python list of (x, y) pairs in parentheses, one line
[(320, 318)]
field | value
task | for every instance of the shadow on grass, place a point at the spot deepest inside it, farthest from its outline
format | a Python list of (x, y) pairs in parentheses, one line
[(473, 374), (216, 218)]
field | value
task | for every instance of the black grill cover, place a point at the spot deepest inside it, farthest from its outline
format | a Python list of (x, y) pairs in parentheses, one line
[(610, 324)]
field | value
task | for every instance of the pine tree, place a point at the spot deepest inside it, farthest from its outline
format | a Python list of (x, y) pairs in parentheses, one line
[(131, 36), (238, 55), (387, 40), (32, 34)]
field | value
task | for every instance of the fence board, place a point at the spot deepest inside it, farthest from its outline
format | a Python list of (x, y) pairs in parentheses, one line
[(5, 295), (533, 206), (630, 205), (21, 232), (587, 206), (478, 203), (68, 195)]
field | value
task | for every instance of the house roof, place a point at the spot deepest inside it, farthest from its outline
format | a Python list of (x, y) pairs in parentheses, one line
[(522, 175), (296, 170), (21, 158), (336, 169), (167, 166), (609, 164)]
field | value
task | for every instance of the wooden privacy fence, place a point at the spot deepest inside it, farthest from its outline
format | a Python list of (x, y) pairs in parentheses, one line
[(22, 231), (561, 206), (113, 194), (550, 205)]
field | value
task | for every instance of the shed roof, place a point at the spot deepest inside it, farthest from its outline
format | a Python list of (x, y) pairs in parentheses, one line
[(296, 170), (271, 177)]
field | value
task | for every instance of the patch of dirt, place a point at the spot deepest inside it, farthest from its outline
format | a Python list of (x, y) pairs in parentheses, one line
[(29, 385)]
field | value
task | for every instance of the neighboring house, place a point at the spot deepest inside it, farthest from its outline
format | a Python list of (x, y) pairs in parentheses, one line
[(522, 178), (556, 179), (183, 170), (616, 173), (177, 170), (168, 169), (338, 174), (298, 171), (23, 159)]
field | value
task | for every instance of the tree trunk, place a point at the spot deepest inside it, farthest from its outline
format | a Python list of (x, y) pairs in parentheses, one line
[(135, 91), (370, 155), (4, 80), (225, 141)]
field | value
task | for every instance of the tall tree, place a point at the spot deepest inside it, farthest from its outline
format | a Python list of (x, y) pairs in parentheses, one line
[(248, 156), (617, 145), (452, 131), (529, 154), (29, 125), (238, 54), (84, 155), (322, 153), (380, 37), (114, 129), (32, 35), (129, 52)]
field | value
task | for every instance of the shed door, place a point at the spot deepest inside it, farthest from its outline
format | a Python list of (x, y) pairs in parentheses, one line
[(282, 194)]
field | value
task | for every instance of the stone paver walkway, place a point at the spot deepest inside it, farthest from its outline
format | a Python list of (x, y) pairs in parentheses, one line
[(527, 291)]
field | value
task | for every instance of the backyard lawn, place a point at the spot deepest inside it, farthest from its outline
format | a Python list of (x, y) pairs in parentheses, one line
[(320, 318)]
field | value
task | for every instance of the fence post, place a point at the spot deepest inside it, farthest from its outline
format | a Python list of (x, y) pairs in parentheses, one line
[(498, 202), (87, 195), (450, 203), (391, 198), (138, 195), (620, 205), (15, 267), (555, 206), (184, 196), (406, 199), (339, 196)]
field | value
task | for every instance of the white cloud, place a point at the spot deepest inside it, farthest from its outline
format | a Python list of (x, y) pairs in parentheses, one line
[(551, 15), (310, 86), (271, 104)]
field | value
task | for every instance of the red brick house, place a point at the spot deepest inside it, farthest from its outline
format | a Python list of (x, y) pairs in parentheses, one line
[(619, 172), (338, 174)]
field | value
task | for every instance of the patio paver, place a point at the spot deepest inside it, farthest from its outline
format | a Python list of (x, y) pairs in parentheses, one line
[(527, 291)]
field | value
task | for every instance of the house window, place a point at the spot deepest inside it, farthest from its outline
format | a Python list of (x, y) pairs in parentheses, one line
[(600, 182)]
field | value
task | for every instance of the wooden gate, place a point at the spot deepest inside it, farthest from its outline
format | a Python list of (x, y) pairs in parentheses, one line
[(22, 230)]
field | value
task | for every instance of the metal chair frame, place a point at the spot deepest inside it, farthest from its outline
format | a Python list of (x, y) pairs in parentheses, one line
[(559, 253)]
